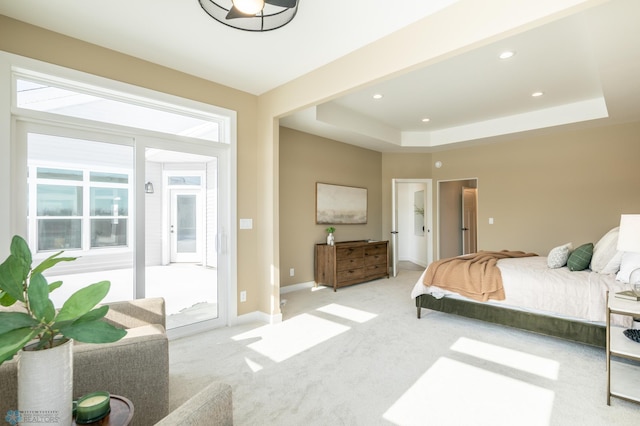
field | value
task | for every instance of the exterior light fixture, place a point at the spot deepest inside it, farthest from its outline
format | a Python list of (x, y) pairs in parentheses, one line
[(148, 188)]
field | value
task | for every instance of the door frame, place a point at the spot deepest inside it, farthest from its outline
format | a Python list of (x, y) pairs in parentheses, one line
[(440, 207), (429, 207), (469, 230), (226, 150)]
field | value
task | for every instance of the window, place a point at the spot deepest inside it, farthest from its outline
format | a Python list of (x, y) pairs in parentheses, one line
[(83, 150), (81, 199), (98, 104)]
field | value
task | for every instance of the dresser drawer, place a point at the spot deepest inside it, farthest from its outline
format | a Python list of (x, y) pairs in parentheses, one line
[(349, 252), (375, 249), (375, 259), (352, 263), (350, 275), (379, 270)]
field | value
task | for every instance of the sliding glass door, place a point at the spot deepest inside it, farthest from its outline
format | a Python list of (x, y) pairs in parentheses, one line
[(135, 184), (81, 189), (182, 230)]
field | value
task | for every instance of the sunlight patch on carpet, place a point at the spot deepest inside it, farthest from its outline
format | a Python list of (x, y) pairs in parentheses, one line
[(454, 393), (543, 367), (254, 366), (348, 313), (286, 339)]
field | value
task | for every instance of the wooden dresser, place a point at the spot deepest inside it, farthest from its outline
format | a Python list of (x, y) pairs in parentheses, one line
[(351, 262)]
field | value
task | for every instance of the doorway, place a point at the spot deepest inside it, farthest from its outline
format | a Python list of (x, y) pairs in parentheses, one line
[(411, 223), (457, 217)]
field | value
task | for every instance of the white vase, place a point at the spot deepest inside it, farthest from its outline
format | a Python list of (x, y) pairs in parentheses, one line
[(45, 385), (330, 239)]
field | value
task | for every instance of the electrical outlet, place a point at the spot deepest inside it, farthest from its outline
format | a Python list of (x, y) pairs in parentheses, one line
[(243, 296), (292, 272)]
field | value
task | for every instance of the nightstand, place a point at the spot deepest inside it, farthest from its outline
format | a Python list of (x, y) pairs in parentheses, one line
[(623, 354)]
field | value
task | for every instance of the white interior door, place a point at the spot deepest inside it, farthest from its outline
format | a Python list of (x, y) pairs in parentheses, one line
[(186, 225)]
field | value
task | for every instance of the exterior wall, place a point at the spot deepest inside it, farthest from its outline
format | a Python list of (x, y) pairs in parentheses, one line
[(304, 160)]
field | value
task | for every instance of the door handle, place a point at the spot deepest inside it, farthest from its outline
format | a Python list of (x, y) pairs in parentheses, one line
[(465, 229)]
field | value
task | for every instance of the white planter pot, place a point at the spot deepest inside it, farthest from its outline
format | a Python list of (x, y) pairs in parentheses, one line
[(330, 240), (45, 385)]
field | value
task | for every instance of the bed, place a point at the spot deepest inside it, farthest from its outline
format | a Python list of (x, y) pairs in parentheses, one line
[(554, 301)]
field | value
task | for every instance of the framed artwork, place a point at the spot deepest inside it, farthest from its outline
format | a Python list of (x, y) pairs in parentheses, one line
[(338, 204)]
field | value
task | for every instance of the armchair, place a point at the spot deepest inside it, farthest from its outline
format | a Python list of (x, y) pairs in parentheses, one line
[(136, 366)]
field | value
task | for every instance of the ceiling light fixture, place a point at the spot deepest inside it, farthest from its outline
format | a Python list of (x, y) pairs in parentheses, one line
[(377, 96), (537, 94), (426, 120), (507, 54), (251, 15)]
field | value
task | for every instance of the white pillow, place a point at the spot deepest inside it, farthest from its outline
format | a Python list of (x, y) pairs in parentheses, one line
[(630, 262), (558, 256), (606, 257)]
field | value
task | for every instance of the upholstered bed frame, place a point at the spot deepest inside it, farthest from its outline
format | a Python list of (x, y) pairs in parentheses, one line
[(577, 331)]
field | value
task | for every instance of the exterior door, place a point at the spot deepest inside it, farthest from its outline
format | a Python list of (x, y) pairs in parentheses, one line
[(186, 225)]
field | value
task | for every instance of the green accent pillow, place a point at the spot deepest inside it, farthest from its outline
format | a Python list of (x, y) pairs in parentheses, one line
[(580, 258)]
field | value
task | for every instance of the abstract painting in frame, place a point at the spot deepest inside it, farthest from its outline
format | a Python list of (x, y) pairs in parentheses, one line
[(338, 204)]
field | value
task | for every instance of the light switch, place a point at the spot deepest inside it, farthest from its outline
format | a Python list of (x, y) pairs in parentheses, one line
[(246, 223), (490, 221)]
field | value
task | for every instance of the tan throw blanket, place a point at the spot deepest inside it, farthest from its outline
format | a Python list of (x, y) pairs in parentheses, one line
[(475, 275)]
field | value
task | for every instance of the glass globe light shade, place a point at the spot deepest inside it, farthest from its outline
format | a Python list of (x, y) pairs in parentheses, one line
[(249, 7)]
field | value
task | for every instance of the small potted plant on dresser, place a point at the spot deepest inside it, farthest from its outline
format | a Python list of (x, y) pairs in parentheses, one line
[(41, 336), (330, 240)]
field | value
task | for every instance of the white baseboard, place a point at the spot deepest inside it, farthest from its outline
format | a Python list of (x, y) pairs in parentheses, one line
[(416, 261), (257, 316), (296, 287)]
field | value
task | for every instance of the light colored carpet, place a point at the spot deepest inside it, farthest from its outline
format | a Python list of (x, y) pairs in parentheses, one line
[(361, 357)]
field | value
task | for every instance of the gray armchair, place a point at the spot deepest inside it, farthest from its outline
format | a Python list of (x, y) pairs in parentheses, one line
[(211, 406), (136, 367)]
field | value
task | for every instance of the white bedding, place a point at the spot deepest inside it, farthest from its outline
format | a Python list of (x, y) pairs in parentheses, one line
[(529, 284)]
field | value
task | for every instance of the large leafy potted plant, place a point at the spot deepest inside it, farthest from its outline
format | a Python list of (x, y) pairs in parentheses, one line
[(36, 327)]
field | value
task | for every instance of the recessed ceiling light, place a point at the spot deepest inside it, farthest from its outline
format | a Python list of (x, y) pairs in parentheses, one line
[(426, 120), (507, 54), (537, 94), (377, 96)]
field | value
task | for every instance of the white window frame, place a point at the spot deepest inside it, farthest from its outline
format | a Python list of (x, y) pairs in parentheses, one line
[(85, 217), (13, 219)]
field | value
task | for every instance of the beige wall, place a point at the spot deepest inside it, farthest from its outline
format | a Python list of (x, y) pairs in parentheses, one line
[(304, 160), (37, 43), (542, 191)]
